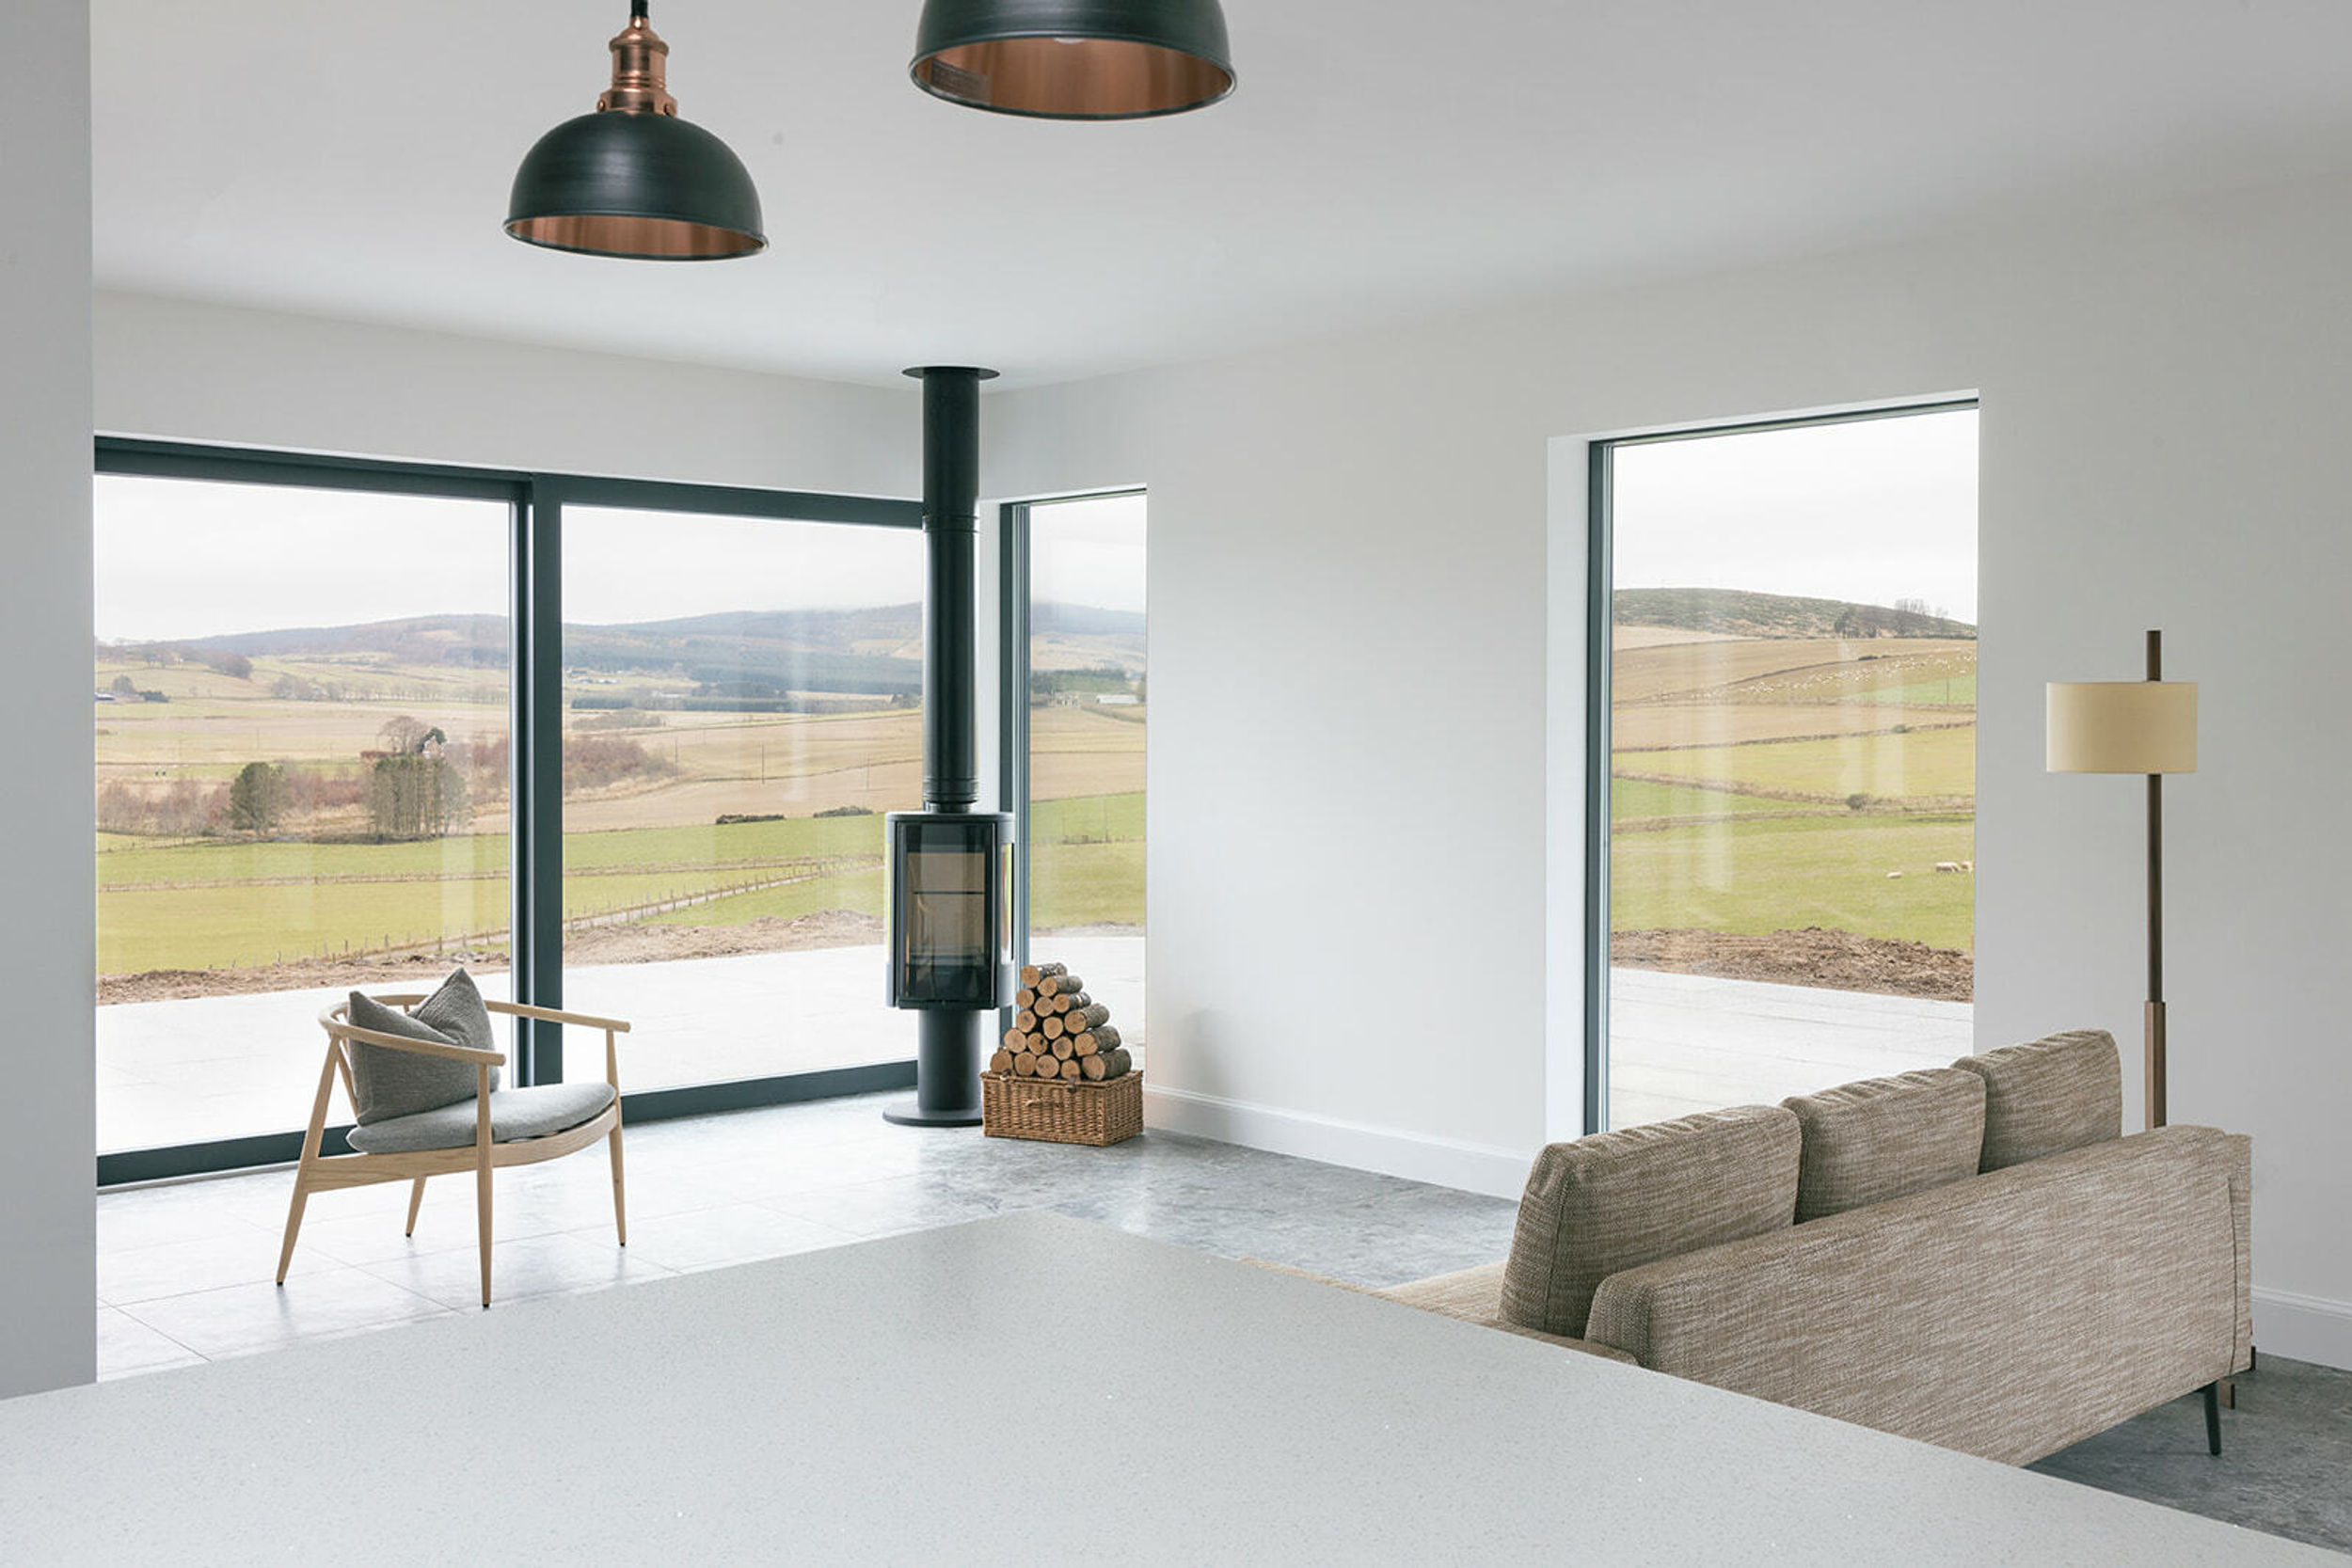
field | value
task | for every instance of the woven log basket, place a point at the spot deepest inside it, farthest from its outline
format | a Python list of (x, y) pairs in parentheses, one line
[(1061, 1111)]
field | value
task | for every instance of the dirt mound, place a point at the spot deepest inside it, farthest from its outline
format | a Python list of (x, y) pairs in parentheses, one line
[(1833, 960), (607, 944)]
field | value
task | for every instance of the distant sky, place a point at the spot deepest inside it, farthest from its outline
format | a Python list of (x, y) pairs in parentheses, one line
[(1869, 511), (1088, 552), (183, 559)]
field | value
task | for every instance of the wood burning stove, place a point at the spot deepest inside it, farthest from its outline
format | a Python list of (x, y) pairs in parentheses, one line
[(948, 907), (949, 876)]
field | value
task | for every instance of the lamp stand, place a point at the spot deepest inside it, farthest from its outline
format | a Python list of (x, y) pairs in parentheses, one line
[(2154, 1012)]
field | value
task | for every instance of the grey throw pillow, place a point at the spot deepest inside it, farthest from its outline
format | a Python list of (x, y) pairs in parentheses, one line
[(1886, 1138), (456, 1010), (1617, 1200), (2048, 1096), (386, 1082)]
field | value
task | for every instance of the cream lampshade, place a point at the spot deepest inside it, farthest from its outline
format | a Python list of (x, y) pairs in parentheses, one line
[(2122, 727)]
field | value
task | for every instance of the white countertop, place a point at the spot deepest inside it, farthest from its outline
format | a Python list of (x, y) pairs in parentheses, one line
[(884, 1403)]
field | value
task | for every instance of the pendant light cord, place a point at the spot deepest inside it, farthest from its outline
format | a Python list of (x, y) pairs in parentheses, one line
[(637, 8)]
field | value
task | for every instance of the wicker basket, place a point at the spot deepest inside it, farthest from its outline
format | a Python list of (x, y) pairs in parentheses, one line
[(1061, 1112)]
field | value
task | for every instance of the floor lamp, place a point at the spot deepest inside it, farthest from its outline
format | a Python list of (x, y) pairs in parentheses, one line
[(2147, 726)]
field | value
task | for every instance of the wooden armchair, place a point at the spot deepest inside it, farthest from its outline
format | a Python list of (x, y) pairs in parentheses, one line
[(497, 1127)]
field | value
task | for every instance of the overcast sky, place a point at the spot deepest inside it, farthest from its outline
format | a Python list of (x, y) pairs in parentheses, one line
[(1870, 510), (181, 560)]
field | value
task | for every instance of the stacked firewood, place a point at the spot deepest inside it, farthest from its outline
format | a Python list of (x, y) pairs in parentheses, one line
[(1061, 1032)]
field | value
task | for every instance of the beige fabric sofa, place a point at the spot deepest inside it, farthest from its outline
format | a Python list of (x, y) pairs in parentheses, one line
[(1984, 1262)]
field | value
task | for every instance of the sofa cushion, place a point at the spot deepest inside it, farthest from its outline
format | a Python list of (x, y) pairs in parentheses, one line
[(1884, 1137), (515, 1115), (2048, 1096), (1618, 1199), (387, 1083)]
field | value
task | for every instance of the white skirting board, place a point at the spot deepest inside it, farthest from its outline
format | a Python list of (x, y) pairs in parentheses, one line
[(2303, 1328), (1446, 1162)]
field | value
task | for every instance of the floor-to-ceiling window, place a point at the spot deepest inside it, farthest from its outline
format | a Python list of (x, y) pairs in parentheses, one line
[(742, 702), (1083, 673), (302, 744), (1791, 742), (358, 723)]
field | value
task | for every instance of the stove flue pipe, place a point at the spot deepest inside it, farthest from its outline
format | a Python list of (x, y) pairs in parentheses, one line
[(951, 521)]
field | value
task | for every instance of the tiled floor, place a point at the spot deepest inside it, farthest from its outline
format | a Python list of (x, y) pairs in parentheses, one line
[(184, 1269)]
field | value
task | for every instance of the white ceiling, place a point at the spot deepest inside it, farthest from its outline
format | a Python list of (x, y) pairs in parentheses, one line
[(1380, 159)]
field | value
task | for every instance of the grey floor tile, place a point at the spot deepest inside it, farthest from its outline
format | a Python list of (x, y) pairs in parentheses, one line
[(126, 1346), (740, 1233), (240, 1320), (519, 1270)]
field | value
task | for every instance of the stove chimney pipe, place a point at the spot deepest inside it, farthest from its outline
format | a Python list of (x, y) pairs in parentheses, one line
[(952, 507)]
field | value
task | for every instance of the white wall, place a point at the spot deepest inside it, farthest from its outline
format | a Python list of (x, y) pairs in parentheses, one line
[(180, 371), (48, 1286), (1357, 652)]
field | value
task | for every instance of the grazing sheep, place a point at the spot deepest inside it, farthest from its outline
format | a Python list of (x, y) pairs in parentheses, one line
[(1894, 875), (1948, 865), (1969, 867)]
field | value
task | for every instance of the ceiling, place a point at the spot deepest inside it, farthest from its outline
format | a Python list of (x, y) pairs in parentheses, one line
[(1381, 159)]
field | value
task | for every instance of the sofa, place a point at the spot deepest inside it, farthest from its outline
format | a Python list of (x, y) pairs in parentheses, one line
[(1972, 1256)]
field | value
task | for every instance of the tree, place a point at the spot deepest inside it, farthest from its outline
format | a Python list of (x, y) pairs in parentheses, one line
[(257, 798), (235, 666), (402, 736), (123, 685), (416, 797)]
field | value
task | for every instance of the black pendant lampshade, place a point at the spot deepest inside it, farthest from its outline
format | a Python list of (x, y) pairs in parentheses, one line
[(633, 180), (1075, 59)]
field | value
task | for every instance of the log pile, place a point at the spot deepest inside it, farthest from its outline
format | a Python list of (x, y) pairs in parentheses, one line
[(1061, 1032)]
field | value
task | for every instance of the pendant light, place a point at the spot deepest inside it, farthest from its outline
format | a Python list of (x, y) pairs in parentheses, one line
[(633, 180), (1075, 59)]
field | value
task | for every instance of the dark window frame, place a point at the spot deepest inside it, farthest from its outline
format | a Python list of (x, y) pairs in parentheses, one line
[(1599, 681), (535, 502)]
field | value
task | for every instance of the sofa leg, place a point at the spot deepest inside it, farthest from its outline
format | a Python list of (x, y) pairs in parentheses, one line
[(2213, 1417)]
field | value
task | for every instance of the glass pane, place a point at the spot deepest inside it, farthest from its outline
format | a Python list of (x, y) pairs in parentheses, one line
[(743, 702), (301, 735), (1087, 710), (1792, 760)]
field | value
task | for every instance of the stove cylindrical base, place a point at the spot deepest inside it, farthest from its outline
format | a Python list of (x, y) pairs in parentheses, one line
[(947, 1072)]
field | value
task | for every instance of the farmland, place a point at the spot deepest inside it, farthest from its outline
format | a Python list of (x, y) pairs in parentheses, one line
[(1784, 779), (807, 722)]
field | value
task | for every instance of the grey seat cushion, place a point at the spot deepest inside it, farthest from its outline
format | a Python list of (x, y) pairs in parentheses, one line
[(2048, 1096), (1886, 1138), (514, 1115), (1618, 1199), (387, 1083)]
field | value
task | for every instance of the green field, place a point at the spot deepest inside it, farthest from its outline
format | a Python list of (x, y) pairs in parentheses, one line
[(1756, 876), (1633, 799), (1934, 764), (226, 904)]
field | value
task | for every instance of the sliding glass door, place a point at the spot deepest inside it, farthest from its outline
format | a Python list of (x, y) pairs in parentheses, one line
[(353, 725), (1790, 730), (301, 739), (1080, 737), (742, 703)]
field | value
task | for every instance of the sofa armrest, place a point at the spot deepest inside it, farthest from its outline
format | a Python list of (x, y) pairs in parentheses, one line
[(1471, 1296)]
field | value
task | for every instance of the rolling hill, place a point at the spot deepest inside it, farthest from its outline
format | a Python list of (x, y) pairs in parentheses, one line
[(1740, 612)]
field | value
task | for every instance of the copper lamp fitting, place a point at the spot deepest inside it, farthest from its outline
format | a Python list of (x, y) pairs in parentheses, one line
[(640, 63)]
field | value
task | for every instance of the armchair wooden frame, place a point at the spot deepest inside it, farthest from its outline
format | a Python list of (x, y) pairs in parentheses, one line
[(326, 1173)]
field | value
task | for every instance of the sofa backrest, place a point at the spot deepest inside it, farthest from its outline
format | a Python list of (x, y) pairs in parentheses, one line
[(1886, 1138), (1618, 1199), (2008, 1315), (2050, 1095)]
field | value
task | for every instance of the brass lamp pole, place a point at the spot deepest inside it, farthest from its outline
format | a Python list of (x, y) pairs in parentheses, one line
[(2148, 727)]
